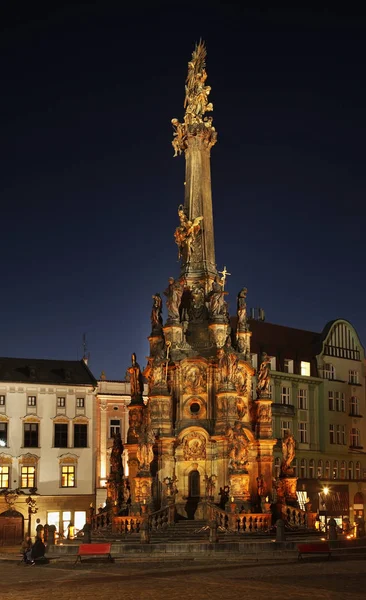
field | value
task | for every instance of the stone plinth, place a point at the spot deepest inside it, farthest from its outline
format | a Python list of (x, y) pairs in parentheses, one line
[(239, 488), (173, 333), (264, 418)]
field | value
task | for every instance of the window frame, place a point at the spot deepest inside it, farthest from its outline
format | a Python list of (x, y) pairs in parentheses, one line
[(32, 401), (4, 483), (303, 432), (328, 371), (5, 424), (354, 406), (80, 436), (285, 395), (30, 478), (305, 366), (112, 426), (61, 401), (67, 476), (302, 399), (80, 402), (353, 377), (2, 399), (25, 428), (59, 436)]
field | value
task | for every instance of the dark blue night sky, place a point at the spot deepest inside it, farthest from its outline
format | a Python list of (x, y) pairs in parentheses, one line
[(90, 189)]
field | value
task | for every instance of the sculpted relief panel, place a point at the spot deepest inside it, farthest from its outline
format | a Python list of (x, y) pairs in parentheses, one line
[(194, 379), (194, 446)]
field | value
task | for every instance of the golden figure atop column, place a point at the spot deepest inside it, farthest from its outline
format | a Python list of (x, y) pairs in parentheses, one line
[(195, 137)]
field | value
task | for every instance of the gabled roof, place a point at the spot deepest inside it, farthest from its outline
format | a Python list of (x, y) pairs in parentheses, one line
[(44, 371)]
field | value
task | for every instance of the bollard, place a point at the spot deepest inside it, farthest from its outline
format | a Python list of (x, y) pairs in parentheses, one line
[(213, 537), (332, 529), (280, 530)]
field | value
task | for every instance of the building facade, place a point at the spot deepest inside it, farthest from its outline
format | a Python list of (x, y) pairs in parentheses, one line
[(318, 393), (47, 440)]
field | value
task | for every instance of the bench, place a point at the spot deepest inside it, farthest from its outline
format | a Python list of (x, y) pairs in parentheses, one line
[(93, 550), (314, 548)]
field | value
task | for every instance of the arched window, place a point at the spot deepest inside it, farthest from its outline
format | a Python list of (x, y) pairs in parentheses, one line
[(328, 371), (350, 470), (355, 437), (320, 468), (327, 469), (311, 468), (335, 469), (358, 470), (303, 468), (354, 406), (294, 466), (277, 466), (343, 469)]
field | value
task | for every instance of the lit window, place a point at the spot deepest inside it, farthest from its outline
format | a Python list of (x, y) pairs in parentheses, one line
[(61, 402), (354, 406), (3, 434), (305, 368), (302, 398), (288, 365), (355, 437), (30, 435), (80, 402), (331, 400), (320, 468), (61, 434), (4, 477), (328, 371), (303, 432), (28, 477), (273, 363), (285, 395), (311, 468), (2, 400), (32, 400), (67, 476), (331, 434), (353, 376), (335, 469), (350, 470), (80, 436), (114, 427)]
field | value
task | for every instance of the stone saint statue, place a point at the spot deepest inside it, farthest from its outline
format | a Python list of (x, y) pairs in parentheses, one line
[(238, 447), (156, 318), (173, 293), (136, 381), (215, 298), (288, 453), (145, 453), (116, 467), (263, 377), (242, 309)]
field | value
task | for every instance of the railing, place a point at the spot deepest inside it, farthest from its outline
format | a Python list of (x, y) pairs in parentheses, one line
[(243, 523), (295, 517), (127, 525), (161, 519), (101, 521)]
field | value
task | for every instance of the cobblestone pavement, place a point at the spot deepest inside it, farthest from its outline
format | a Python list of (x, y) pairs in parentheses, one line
[(337, 579)]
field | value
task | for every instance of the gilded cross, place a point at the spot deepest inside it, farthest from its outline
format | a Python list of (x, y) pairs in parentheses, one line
[(224, 274)]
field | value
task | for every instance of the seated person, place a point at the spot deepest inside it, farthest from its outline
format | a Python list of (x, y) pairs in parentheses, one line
[(38, 549), (26, 549)]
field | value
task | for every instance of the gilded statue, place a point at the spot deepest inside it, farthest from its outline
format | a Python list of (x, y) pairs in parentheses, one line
[(288, 453), (263, 376), (238, 446), (174, 293), (156, 318), (185, 235), (179, 141), (196, 104)]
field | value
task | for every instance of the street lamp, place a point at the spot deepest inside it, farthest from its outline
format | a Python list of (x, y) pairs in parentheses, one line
[(325, 493), (32, 509)]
